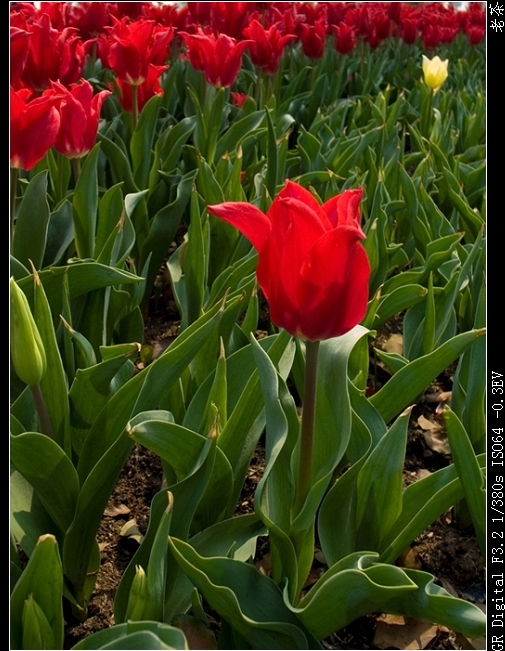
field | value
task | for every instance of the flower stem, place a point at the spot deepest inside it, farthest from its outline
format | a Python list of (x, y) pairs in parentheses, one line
[(76, 167), (14, 186), (307, 427), (135, 105), (40, 405), (426, 112)]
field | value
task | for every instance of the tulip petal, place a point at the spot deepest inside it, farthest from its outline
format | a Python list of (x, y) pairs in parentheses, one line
[(334, 285), (295, 226), (296, 191), (343, 210), (246, 218)]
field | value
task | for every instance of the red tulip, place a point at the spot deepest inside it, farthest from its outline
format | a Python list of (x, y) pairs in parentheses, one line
[(312, 268), (79, 113), (267, 45), (53, 55), (131, 48), (218, 58), (33, 126), (313, 38), (345, 38), (475, 34), (90, 18), (239, 99), (150, 87), (19, 39)]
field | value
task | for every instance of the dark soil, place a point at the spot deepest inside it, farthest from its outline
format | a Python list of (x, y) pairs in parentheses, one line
[(449, 553)]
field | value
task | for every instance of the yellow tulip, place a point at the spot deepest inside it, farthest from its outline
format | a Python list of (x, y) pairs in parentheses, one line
[(435, 72)]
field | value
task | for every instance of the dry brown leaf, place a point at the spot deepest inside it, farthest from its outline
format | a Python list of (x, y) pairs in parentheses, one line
[(421, 473), (314, 576), (409, 559), (198, 635), (427, 424), (130, 530), (437, 441), (319, 556), (394, 344), (441, 396), (412, 634), (115, 510), (264, 565), (470, 644)]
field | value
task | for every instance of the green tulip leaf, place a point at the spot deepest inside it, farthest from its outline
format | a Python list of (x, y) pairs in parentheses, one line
[(353, 587), (410, 381), (434, 604), (85, 202), (423, 502), (469, 473), (135, 635), (142, 139), (248, 600), (275, 492), (332, 429), (30, 234), (48, 469), (380, 484), (42, 578)]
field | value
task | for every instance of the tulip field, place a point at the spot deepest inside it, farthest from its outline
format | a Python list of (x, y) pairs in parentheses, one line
[(247, 326)]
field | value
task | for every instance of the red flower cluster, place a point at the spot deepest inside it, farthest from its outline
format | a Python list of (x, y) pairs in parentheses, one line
[(133, 39), (63, 118), (50, 55), (130, 48)]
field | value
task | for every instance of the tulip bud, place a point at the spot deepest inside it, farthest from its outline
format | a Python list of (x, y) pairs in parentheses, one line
[(27, 349), (139, 595), (435, 72)]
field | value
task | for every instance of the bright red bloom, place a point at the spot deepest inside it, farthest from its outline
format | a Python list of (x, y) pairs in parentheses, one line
[(313, 38), (475, 34), (19, 39), (150, 87), (79, 113), (408, 32), (312, 268), (432, 36), (345, 38), (218, 58), (230, 18), (133, 10), (267, 45), (33, 126), (90, 18), (53, 55), (131, 48), (57, 12), (239, 99)]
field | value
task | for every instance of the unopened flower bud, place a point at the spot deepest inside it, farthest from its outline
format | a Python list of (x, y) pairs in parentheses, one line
[(139, 595), (27, 349)]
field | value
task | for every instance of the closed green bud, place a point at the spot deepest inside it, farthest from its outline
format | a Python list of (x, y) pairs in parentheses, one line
[(27, 349), (37, 633), (139, 596)]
